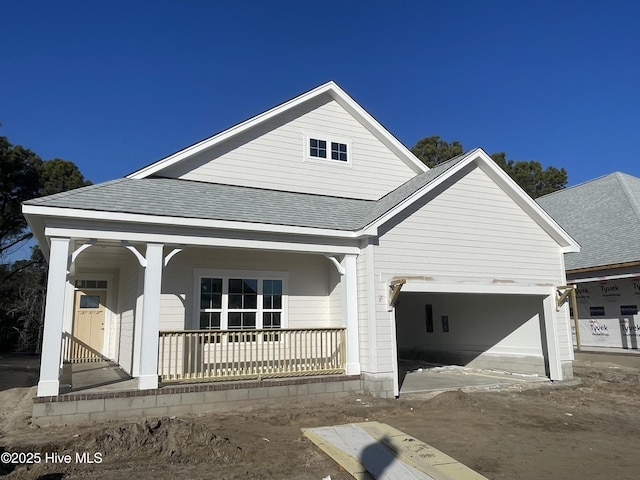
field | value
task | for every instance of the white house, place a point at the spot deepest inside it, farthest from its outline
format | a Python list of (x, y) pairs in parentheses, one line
[(306, 240), (603, 215)]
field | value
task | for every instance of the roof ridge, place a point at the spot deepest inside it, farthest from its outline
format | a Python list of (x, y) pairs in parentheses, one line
[(250, 187), (586, 182), (635, 207)]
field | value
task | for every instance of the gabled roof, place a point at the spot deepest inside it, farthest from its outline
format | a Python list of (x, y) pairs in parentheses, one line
[(329, 88), (183, 202), (174, 198), (603, 215), (394, 198)]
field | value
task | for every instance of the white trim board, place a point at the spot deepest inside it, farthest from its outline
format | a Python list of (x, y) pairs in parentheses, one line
[(483, 161), (174, 239), (330, 88), (138, 218)]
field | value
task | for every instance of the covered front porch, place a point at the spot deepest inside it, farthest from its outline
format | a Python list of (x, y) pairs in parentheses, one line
[(188, 356), (176, 313)]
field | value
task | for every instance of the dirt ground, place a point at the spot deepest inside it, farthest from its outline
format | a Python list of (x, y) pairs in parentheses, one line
[(588, 430)]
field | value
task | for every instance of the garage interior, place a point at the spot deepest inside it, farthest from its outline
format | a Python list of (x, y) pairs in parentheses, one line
[(490, 332)]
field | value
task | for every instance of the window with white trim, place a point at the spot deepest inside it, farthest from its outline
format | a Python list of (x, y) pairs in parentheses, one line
[(241, 302), (339, 151), (272, 304), (317, 148), (327, 147), (210, 303)]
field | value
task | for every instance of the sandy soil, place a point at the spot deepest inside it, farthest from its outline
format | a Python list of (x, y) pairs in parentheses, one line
[(589, 430)]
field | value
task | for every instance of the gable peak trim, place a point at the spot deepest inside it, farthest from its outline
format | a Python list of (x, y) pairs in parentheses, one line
[(330, 88)]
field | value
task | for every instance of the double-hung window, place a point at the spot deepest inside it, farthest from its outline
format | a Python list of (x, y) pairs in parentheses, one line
[(210, 303), (241, 302)]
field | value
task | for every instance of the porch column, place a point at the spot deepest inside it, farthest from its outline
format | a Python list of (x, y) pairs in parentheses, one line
[(50, 361), (551, 332), (350, 313), (148, 378)]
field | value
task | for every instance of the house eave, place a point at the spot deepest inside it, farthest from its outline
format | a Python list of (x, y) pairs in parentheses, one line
[(565, 242), (133, 218), (598, 268), (372, 227)]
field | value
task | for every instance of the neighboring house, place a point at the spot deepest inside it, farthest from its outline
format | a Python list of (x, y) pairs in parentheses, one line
[(603, 215), (306, 240)]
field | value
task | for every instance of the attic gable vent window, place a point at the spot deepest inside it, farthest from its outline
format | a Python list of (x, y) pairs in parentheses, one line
[(318, 148), (337, 149)]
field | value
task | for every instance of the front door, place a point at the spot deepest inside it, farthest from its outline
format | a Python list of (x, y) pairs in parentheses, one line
[(88, 320)]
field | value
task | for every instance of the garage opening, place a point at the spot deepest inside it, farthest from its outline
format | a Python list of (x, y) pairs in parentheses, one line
[(497, 332)]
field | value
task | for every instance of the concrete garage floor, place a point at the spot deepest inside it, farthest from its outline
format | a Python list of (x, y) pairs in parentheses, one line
[(421, 377)]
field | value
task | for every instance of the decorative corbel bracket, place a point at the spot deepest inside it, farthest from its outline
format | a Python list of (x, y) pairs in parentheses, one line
[(172, 254), (335, 261), (138, 255), (72, 258)]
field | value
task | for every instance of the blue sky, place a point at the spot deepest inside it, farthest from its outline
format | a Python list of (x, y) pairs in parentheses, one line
[(113, 86)]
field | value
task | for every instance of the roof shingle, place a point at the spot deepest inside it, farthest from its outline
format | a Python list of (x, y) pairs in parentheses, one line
[(603, 215), (209, 201)]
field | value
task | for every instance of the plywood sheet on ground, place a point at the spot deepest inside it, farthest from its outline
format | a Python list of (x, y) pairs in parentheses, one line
[(374, 450)]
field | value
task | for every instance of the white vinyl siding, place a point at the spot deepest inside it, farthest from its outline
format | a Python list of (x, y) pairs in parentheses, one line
[(363, 311), (308, 303), (276, 157), (385, 349), (472, 232)]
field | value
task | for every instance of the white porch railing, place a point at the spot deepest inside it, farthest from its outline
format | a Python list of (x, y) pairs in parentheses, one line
[(213, 355), (76, 351)]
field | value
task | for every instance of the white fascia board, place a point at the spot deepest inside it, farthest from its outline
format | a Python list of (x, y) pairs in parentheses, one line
[(204, 241), (571, 248), (377, 129), (371, 229), (36, 225), (604, 278), (330, 87), (230, 132), (136, 218), (566, 242)]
